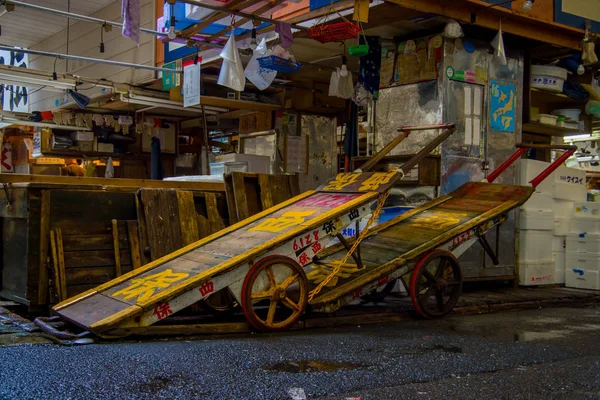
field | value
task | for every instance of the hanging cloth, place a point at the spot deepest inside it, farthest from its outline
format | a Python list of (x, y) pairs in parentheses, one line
[(284, 30), (370, 66), (351, 137), (156, 167), (130, 12), (232, 70)]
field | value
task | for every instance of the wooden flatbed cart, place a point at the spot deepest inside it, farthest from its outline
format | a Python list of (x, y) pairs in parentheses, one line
[(259, 261), (424, 244)]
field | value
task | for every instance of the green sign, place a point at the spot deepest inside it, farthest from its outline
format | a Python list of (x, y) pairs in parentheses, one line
[(169, 79)]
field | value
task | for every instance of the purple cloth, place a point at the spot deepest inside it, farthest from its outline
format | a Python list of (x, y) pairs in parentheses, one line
[(285, 33), (130, 11)]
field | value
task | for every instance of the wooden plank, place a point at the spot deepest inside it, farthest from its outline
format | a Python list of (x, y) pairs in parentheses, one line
[(294, 184), (95, 258), (214, 218), (134, 243), (239, 190), (56, 279), (187, 217), (113, 182), (95, 242), (229, 196), (155, 205), (61, 263), (92, 275), (44, 238), (192, 30), (117, 252), (274, 189), (143, 230)]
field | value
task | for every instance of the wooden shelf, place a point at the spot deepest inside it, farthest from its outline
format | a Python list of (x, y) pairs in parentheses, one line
[(92, 154), (557, 96), (550, 130)]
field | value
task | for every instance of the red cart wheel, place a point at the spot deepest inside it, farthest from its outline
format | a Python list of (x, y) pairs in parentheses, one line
[(274, 293), (435, 284)]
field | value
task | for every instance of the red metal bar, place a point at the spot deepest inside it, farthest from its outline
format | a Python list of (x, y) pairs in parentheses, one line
[(495, 173), (550, 169)]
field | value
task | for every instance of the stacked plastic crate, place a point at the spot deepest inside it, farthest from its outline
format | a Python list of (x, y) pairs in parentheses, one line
[(545, 221), (583, 247)]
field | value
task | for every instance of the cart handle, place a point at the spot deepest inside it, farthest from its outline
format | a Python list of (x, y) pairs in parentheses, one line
[(426, 127), (522, 148), (424, 152), (404, 132)]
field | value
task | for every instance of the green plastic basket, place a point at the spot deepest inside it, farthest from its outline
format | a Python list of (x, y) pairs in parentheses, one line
[(358, 50)]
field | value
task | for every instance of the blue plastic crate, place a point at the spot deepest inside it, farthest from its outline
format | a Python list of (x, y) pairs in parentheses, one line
[(278, 64)]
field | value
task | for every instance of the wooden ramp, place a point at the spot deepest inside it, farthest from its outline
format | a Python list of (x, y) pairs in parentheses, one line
[(408, 236)]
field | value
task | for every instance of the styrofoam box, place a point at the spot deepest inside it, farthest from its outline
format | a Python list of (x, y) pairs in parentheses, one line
[(558, 243), (562, 225), (587, 209), (560, 259), (585, 261), (529, 169), (536, 219), (559, 276), (534, 246), (563, 208), (539, 201), (536, 273), (581, 279), (569, 184), (583, 243), (585, 225)]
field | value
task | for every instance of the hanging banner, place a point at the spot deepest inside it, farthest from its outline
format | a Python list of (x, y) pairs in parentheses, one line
[(503, 102), (191, 85)]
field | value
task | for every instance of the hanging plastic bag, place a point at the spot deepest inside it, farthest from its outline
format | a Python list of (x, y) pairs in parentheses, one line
[(110, 169), (232, 70), (334, 83), (498, 45), (261, 78), (346, 86)]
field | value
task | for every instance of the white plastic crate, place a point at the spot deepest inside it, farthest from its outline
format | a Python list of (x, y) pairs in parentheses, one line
[(536, 273), (585, 225), (539, 201), (562, 226), (558, 243), (583, 243), (529, 169), (563, 208), (586, 209), (581, 279), (535, 246), (536, 219)]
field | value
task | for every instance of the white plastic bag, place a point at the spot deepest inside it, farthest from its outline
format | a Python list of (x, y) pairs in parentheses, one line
[(232, 70), (110, 169), (262, 79), (334, 83), (346, 86), (498, 45)]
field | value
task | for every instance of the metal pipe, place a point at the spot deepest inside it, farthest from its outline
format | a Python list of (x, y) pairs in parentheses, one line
[(78, 16), (85, 18), (240, 13), (87, 59)]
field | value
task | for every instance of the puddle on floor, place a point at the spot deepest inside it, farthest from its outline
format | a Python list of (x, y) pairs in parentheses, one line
[(530, 336), (311, 366)]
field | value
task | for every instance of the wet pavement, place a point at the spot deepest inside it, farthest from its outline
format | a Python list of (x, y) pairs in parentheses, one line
[(549, 353)]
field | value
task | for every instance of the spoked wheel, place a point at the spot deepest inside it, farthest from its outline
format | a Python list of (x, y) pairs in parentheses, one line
[(222, 303), (379, 294), (274, 293), (435, 284)]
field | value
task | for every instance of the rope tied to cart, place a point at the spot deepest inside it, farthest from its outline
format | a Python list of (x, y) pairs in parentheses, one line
[(380, 202)]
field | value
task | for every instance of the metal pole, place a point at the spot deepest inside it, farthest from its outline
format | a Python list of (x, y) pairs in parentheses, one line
[(205, 127), (87, 59)]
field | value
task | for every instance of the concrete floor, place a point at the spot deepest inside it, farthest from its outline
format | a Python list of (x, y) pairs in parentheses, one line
[(533, 354)]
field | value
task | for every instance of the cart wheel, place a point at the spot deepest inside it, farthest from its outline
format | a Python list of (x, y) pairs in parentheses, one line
[(435, 284), (274, 293), (222, 302), (379, 294)]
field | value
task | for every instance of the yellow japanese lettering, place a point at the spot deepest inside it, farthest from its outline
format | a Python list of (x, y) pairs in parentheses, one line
[(438, 221), (341, 181), (144, 288), (287, 220), (376, 180)]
